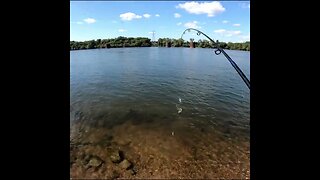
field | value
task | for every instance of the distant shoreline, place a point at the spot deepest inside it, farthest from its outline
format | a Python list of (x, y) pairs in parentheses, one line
[(126, 42), (155, 47)]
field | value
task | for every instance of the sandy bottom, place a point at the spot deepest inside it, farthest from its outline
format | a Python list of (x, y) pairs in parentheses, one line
[(159, 150)]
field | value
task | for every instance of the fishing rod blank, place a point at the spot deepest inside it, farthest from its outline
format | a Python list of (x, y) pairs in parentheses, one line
[(218, 51)]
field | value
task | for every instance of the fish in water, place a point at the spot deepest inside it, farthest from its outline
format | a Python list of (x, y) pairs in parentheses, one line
[(179, 109), (180, 100)]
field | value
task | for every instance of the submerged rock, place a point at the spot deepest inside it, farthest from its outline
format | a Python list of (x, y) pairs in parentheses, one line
[(124, 142), (86, 159), (125, 164), (133, 172), (95, 162), (115, 156), (129, 173), (115, 175)]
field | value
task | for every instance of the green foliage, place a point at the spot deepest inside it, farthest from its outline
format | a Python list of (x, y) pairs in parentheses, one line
[(111, 43), (239, 46), (146, 42), (203, 44)]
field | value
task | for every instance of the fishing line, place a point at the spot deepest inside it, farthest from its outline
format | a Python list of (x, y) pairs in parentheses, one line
[(218, 51)]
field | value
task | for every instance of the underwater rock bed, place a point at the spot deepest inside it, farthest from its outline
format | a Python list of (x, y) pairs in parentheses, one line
[(151, 150)]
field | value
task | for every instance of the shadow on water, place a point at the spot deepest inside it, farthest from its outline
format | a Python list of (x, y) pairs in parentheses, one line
[(110, 119)]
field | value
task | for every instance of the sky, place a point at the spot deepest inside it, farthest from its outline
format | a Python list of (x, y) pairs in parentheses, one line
[(220, 20)]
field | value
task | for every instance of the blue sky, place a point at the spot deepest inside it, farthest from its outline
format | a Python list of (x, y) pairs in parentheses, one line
[(225, 21)]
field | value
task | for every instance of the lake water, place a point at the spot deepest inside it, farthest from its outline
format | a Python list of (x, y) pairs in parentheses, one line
[(131, 95)]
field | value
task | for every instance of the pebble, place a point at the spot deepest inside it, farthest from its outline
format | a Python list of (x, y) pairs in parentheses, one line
[(125, 164), (115, 174), (133, 172), (115, 157), (95, 162)]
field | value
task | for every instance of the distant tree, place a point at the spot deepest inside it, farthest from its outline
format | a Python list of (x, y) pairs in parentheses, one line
[(146, 42), (98, 41)]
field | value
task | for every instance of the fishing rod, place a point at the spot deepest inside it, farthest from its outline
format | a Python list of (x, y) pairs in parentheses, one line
[(218, 51)]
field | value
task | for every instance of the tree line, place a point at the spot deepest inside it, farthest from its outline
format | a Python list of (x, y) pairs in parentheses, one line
[(146, 42), (111, 43)]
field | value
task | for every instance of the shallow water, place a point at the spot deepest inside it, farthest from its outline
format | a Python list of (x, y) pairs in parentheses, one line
[(131, 95)]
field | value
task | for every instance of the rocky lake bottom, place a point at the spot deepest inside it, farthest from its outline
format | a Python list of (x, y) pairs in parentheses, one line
[(139, 145)]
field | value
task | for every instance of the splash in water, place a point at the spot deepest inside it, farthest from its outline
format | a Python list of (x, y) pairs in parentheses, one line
[(178, 108)]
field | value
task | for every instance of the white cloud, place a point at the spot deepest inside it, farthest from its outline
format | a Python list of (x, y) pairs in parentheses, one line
[(177, 15), (129, 16), (157, 15), (235, 32), (79, 22), (225, 22), (209, 8), (219, 31), (226, 33), (245, 37), (122, 30), (147, 15), (179, 23), (237, 25), (89, 20), (193, 24), (150, 32)]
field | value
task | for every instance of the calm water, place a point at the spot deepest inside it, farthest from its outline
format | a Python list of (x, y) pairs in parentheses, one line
[(112, 86), (153, 79)]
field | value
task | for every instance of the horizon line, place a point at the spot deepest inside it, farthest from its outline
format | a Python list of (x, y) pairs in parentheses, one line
[(149, 38)]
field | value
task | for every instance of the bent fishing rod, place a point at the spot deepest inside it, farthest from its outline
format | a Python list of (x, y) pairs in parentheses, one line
[(218, 51)]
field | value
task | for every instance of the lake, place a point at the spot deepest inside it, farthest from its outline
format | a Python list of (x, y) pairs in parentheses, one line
[(127, 99)]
